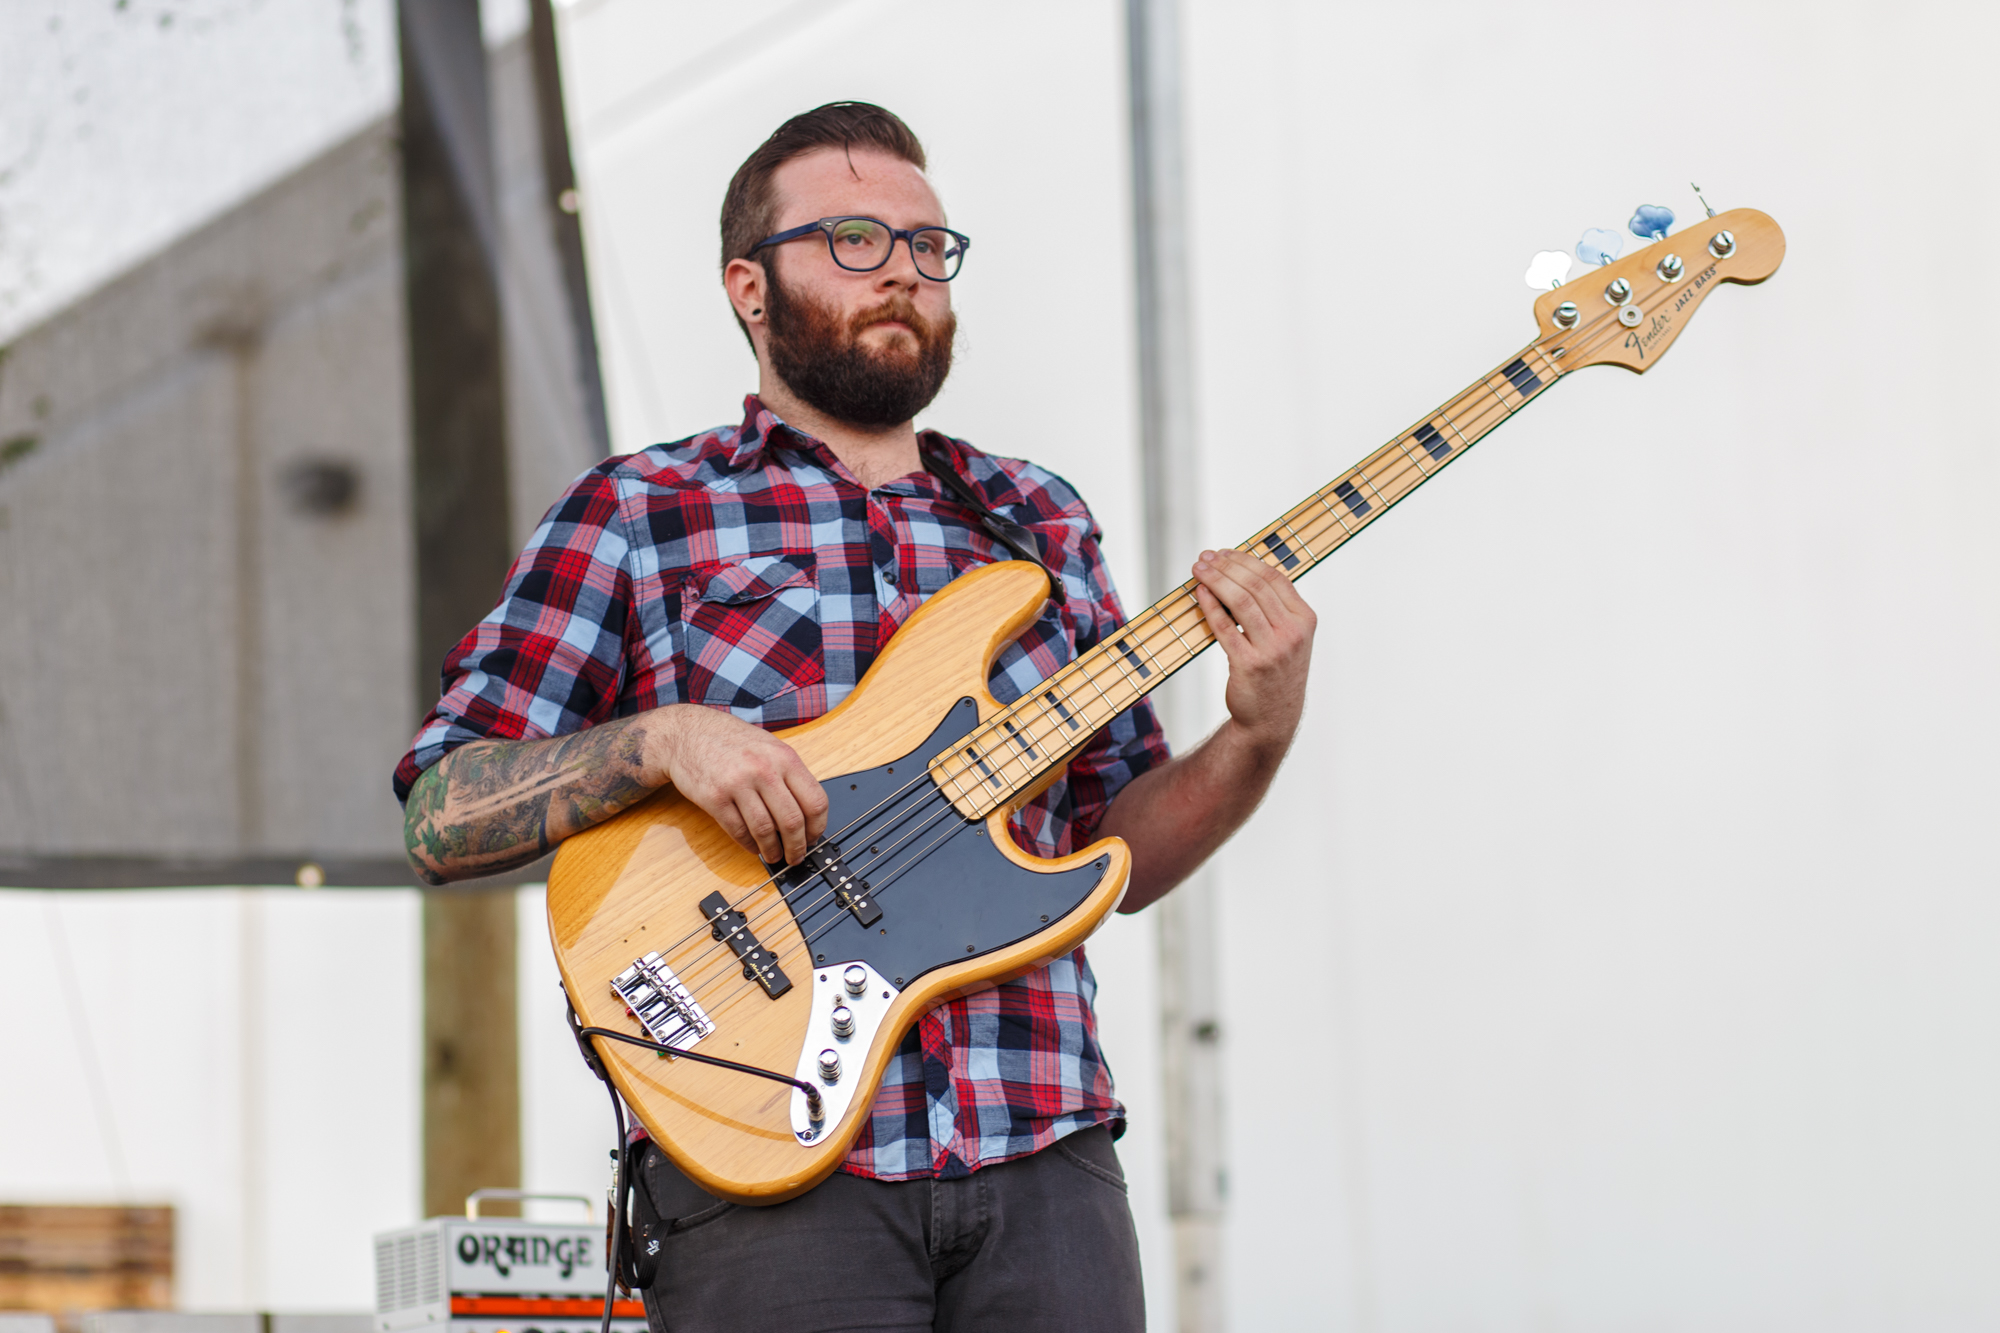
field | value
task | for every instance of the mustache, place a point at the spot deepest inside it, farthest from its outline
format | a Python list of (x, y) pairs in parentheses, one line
[(899, 309)]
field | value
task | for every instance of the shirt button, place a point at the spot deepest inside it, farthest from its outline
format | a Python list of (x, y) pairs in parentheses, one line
[(889, 577)]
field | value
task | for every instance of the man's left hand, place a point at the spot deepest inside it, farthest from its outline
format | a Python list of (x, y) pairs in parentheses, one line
[(1271, 652)]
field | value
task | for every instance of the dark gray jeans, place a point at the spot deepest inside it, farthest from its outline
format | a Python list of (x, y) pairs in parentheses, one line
[(1041, 1242)]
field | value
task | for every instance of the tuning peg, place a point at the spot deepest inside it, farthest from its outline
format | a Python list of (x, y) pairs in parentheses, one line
[(1704, 202), (1547, 270), (1651, 221), (1599, 246)]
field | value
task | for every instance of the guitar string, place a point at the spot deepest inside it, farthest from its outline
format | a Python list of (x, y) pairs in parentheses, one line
[(1162, 615), (1318, 526), (1165, 615), (1588, 337)]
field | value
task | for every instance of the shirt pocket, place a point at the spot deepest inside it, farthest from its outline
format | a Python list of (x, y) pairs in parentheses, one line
[(751, 634)]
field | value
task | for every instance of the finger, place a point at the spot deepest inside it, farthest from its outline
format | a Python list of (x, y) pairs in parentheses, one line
[(788, 817), (1286, 614), (1219, 623), (811, 797), (764, 839), (730, 819), (1274, 593), (1242, 604)]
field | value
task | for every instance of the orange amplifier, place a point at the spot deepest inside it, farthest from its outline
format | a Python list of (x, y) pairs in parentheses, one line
[(496, 1275)]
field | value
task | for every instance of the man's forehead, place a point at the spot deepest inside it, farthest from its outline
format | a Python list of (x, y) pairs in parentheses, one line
[(829, 182)]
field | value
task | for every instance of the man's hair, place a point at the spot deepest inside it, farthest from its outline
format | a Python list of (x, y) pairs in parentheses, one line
[(750, 206)]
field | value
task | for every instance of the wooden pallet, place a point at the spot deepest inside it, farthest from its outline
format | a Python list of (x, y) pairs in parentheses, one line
[(64, 1260)]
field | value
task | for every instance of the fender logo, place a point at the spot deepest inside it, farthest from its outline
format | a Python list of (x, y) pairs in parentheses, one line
[(1639, 340), (1642, 340)]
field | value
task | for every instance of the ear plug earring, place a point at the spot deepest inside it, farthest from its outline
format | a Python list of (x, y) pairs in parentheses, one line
[(756, 312)]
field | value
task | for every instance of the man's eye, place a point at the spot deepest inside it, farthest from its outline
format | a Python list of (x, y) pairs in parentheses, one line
[(924, 244)]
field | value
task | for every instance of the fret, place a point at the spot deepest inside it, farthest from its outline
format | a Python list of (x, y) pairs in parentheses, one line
[(1522, 377), (984, 767), (1422, 468), (1349, 496), (1280, 550), (1321, 497), (1019, 739), (1555, 371), (1453, 427), (1434, 444), (1061, 711), (1146, 647), (1488, 382), (1188, 647), (957, 778), (1091, 680), (1369, 482), (1131, 657)]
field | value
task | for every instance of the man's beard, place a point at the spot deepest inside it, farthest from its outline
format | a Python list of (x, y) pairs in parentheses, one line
[(820, 358)]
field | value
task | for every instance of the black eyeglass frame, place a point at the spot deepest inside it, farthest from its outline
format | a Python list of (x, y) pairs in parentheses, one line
[(825, 227)]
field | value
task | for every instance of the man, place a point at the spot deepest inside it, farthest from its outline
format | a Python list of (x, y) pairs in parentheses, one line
[(678, 604)]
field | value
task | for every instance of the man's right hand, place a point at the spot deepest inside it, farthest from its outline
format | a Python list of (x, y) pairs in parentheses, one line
[(493, 806), (744, 778)]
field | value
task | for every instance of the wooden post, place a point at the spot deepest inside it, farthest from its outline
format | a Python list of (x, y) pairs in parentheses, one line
[(472, 1095), (472, 1075)]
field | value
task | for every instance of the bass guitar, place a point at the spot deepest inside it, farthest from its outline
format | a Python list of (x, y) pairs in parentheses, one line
[(746, 1012)]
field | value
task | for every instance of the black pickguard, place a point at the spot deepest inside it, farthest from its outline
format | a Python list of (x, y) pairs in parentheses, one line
[(944, 891)]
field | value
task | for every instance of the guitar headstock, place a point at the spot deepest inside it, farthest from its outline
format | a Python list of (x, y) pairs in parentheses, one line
[(1629, 311)]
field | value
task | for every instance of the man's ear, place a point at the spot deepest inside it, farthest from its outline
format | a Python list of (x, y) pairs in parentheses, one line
[(745, 282)]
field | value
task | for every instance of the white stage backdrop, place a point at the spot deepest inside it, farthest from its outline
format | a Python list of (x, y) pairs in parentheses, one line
[(1616, 949)]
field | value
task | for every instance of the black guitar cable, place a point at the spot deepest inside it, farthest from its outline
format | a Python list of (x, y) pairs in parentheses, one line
[(621, 1203)]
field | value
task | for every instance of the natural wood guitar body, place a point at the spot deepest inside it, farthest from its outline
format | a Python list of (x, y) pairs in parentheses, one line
[(634, 884)]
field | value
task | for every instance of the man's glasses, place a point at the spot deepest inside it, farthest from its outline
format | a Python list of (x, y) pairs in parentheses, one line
[(862, 245)]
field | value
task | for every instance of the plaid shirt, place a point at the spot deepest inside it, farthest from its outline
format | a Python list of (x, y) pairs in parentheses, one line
[(747, 569)]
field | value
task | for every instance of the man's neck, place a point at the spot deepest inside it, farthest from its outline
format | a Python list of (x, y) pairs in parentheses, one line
[(873, 456)]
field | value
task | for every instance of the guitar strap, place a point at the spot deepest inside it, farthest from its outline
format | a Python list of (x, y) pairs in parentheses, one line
[(1005, 531)]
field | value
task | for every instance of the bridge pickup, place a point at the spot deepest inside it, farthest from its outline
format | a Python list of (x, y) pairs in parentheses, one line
[(850, 891), (732, 927)]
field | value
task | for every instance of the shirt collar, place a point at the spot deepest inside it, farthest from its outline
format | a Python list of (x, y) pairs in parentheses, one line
[(763, 430)]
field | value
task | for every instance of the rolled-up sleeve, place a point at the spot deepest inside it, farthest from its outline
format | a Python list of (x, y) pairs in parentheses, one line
[(550, 658)]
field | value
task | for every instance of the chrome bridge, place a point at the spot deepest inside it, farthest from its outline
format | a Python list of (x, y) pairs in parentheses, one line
[(656, 997)]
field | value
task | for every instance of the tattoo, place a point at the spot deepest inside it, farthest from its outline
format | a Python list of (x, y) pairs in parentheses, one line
[(494, 805)]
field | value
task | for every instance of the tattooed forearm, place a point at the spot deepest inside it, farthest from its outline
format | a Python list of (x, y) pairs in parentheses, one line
[(495, 805)]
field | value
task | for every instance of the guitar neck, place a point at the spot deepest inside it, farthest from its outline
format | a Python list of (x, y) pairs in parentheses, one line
[(1011, 756)]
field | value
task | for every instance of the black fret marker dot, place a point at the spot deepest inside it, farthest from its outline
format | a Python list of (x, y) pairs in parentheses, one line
[(1276, 546), (1522, 378), (1436, 445), (1132, 657), (980, 760)]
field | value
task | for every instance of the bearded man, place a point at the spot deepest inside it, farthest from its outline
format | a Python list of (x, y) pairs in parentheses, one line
[(679, 604)]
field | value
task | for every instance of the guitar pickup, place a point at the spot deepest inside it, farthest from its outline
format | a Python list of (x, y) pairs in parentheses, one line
[(850, 891), (732, 927)]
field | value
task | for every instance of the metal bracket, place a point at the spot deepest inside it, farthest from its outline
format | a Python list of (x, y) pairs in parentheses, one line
[(661, 1003)]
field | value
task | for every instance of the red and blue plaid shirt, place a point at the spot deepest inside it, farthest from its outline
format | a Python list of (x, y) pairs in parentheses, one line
[(747, 569)]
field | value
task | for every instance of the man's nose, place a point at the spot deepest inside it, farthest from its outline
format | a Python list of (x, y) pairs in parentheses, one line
[(901, 270)]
